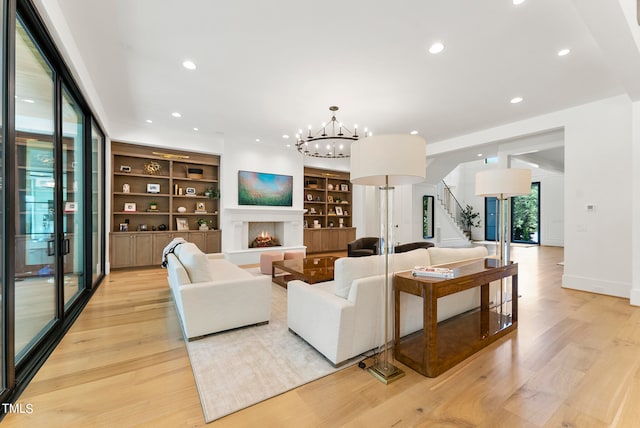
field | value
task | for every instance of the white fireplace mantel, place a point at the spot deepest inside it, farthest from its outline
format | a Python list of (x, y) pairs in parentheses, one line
[(238, 218), (258, 211)]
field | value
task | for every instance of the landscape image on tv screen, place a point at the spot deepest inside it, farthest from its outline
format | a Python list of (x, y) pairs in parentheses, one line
[(259, 188)]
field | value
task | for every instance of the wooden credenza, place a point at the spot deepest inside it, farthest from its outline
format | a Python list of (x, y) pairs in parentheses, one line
[(441, 345)]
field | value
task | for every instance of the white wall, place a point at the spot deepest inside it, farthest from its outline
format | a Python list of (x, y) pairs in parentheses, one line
[(635, 198), (259, 158), (598, 149)]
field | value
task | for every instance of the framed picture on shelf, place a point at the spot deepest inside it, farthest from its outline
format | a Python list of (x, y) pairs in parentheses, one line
[(70, 207), (344, 187), (200, 207), (330, 199), (339, 211), (190, 191), (125, 168), (124, 227), (153, 188), (309, 197), (129, 206), (182, 224)]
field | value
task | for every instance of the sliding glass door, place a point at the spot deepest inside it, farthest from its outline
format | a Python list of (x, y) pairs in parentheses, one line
[(72, 201), (35, 216), (52, 171)]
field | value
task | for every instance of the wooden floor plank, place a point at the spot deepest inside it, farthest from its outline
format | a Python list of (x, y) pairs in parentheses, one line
[(574, 361)]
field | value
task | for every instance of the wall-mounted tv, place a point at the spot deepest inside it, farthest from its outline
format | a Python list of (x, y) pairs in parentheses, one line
[(260, 188)]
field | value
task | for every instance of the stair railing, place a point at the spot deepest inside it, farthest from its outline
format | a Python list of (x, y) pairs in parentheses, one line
[(450, 203)]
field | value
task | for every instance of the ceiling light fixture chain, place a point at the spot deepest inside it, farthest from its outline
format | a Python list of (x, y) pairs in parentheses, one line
[(334, 144)]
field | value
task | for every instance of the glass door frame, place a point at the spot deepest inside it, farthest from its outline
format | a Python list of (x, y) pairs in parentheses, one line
[(16, 376)]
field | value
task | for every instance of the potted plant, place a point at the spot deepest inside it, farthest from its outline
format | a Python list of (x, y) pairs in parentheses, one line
[(202, 224), (212, 193), (469, 218), (153, 206)]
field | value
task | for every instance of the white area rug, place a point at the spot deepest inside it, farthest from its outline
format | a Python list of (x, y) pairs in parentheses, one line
[(242, 367)]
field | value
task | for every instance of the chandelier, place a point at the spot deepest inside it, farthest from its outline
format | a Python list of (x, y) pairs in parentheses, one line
[(331, 140)]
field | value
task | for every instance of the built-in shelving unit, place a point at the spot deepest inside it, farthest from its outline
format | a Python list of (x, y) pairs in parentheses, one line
[(327, 201), (159, 194)]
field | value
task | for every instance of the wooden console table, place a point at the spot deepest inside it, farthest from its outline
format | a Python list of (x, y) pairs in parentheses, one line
[(439, 346)]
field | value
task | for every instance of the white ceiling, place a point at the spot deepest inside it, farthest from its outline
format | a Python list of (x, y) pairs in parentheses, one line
[(266, 68)]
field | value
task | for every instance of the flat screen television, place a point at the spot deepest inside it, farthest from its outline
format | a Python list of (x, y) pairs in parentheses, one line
[(260, 188)]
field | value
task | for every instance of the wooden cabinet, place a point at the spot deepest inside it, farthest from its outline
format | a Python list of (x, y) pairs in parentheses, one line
[(161, 194), (328, 239), (139, 249), (131, 249), (327, 201)]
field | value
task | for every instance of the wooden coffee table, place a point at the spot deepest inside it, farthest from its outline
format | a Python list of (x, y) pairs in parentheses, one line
[(310, 270)]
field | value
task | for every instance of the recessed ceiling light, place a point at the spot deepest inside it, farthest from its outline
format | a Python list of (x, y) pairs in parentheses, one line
[(176, 114), (28, 101), (479, 155), (288, 145), (563, 52), (517, 2), (195, 129), (436, 48), (257, 140), (285, 136), (516, 100), (149, 121), (414, 132), (189, 65)]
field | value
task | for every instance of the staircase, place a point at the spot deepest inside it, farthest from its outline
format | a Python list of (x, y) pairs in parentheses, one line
[(451, 206)]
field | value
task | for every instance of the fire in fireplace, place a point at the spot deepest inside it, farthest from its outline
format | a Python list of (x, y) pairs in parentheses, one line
[(264, 240)]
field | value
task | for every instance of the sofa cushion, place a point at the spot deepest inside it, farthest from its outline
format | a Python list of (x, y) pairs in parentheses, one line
[(409, 259), (346, 269), (195, 262), (449, 255)]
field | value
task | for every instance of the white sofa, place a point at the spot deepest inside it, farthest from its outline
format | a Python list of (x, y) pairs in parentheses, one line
[(212, 294), (344, 318)]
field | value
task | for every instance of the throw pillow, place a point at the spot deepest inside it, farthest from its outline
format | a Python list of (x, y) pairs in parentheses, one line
[(195, 262)]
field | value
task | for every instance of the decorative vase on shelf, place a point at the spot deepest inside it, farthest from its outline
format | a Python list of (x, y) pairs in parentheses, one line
[(182, 210), (203, 227), (330, 186)]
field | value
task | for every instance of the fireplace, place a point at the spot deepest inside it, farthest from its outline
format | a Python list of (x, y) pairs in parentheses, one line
[(242, 225), (265, 234)]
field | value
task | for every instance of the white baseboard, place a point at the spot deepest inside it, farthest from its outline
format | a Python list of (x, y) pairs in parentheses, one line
[(594, 285), (635, 297)]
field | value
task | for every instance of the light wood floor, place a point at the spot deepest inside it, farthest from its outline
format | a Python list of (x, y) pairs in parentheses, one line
[(574, 362)]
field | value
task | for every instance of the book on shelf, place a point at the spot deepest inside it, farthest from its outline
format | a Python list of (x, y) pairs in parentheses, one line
[(437, 272)]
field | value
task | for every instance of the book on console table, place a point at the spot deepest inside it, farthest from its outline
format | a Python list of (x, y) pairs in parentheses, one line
[(434, 272)]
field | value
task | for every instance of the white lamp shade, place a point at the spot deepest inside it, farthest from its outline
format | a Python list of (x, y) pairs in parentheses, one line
[(503, 183), (400, 157)]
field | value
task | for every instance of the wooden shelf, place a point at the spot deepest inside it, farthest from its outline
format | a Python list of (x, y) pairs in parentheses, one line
[(168, 169), (329, 189)]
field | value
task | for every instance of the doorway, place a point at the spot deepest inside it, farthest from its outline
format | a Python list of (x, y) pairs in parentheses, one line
[(525, 217)]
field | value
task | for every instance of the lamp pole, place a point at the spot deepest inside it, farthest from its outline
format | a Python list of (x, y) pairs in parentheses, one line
[(384, 371)]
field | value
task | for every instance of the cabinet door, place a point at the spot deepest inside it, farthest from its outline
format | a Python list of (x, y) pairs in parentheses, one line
[(198, 238), (160, 241), (316, 240), (343, 239), (121, 250), (143, 247), (330, 240), (212, 244)]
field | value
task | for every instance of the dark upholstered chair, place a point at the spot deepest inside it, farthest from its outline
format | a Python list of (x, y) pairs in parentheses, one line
[(363, 247), (412, 246)]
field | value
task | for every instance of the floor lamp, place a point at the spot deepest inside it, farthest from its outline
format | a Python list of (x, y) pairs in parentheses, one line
[(503, 184), (386, 161)]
